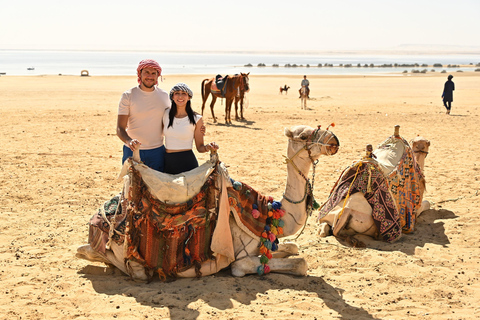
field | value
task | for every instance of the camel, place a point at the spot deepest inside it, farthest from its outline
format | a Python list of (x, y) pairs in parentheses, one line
[(233, 243), (303, 97), (386, 215)]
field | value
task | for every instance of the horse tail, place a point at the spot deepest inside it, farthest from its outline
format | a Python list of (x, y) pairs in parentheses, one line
[(203, 89)]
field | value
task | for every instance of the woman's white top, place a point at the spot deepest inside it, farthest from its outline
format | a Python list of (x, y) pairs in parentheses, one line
[(181, 134)]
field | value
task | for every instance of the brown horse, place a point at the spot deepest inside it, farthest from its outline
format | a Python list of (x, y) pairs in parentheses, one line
[(236, 86), (284, 88)]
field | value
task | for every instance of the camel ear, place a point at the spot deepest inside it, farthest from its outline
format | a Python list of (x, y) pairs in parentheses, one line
[(288, 133)]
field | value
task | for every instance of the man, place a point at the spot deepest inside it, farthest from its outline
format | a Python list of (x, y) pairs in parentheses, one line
[(140, 114), (447, 94), (305, 83)]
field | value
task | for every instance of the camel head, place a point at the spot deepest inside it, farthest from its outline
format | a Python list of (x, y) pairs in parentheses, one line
[(316, 142), (420, 147)]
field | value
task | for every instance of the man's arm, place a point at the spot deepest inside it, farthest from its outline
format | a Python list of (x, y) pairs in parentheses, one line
[(122, 122)]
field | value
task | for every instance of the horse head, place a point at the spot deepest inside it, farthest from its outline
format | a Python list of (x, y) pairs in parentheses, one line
[(244, 85)]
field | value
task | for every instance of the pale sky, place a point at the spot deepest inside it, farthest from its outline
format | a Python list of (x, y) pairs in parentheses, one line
[(247, 25)]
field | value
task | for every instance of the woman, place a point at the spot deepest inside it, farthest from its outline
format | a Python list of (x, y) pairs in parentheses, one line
[(181, 125)]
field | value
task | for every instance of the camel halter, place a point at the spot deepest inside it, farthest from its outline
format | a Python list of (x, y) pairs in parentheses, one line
[(309, 186)]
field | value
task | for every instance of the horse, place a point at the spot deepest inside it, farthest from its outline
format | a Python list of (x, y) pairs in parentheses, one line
[(379, 196), (304, 97), (284, 88), (202, 221), (235, 88)]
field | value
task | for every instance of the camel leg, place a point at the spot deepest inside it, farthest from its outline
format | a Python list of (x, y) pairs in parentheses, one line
[(324, 230), (285, 250), (423, 207), (86, 252), (211, 108), (249, 265)]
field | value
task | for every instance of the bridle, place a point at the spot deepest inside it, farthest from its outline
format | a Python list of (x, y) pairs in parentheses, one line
[(309, 144), (309, 186)]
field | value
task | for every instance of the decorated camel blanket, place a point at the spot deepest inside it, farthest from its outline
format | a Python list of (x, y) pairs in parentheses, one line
[(171, 237), (403, 173), (368, 178)]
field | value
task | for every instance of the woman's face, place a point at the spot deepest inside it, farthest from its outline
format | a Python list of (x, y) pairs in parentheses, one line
[(181, 98)]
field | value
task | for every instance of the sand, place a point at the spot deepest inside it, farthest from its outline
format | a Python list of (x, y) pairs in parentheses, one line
[(61, 157)]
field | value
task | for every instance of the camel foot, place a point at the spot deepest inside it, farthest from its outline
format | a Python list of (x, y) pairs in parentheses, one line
[(324, 230), (87, 253)]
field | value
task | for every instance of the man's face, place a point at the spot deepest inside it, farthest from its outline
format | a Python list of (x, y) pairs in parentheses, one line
[(149, 77)]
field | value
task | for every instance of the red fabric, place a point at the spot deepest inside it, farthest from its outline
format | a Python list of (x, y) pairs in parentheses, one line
[(148, 63)]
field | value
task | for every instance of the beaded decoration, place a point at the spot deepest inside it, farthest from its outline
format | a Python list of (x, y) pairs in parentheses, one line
[(273, 228)]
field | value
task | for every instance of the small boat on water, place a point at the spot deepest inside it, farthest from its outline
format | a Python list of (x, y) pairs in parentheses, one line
[(30, 68)]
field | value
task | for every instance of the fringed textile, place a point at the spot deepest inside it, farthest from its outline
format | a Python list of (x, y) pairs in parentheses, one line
[(371, 182)]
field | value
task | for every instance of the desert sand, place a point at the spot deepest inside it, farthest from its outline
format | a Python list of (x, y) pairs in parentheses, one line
[(61, 157)]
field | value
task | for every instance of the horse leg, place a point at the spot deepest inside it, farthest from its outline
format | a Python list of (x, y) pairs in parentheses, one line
[(228, 109), (250, 264), (211, 108)]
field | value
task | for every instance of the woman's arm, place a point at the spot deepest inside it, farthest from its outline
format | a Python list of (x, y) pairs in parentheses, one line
[(198, 136)]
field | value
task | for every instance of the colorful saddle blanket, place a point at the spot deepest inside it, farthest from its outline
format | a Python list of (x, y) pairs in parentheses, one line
[(403, 179), (163, 237), (367, 178)]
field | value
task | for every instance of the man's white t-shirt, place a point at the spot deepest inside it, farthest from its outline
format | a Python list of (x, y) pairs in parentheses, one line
[(145, 113)]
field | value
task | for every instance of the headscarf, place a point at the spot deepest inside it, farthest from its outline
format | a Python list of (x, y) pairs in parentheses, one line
[(148, 63), (181, 87)]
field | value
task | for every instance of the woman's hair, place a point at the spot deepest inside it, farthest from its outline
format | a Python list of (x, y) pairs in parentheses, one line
[(173, 111)]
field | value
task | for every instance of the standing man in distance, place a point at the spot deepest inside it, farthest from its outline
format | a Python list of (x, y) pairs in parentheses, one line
[(305, 83), (447, 94), (140, 115)]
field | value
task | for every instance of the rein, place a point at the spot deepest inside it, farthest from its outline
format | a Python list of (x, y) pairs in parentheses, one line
[(309, 186)]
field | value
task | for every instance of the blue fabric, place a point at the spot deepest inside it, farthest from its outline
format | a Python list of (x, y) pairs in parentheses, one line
[(153, 158)]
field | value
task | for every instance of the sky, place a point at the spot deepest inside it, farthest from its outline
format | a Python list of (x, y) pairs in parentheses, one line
[(247, 25)]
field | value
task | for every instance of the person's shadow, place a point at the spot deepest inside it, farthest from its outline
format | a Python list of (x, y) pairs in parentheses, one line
[(220, 291), (427, 230)]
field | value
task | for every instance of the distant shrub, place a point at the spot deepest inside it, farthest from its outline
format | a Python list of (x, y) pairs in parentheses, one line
[(438, 65), (405, 71), (424, 65), (372, 65), (288, 65), (423, 71), (444, 71), (294, 65), (433, 70), (477, 65), (459, 71), (320, 65), (359, 65), (275, 65), (261, 65), (248, 65), (477, 70), (308, 66), (415, 71)]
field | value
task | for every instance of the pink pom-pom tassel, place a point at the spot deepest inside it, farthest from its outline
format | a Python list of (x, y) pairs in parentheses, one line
[(255, 213)]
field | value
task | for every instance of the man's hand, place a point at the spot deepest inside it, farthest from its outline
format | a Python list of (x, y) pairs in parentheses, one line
[(132, 144)]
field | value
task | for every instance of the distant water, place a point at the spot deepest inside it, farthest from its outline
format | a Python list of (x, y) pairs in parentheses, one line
[(14, 62)]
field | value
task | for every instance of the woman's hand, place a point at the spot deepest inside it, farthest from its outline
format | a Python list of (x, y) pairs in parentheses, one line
[(212, 146)]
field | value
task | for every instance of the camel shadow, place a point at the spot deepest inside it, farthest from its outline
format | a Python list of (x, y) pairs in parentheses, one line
[(427, 230), (180, 298)]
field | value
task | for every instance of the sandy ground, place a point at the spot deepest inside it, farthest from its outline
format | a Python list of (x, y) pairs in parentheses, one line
[(61, 157)]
